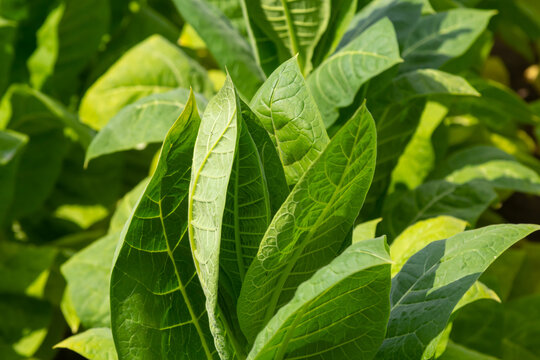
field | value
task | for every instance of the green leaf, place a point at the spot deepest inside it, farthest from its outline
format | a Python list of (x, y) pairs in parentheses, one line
[(227, 45), (434, 280), (336, 81), (273, 170), (467, 202), (125, 207), (342, 308), (25, 268), (521, 329), (365, 231), (143, 122), (437, 38), (157, 303), (232, 9), (94, 344), (24, 325), (296, 26), (457, 352), (153, 66), (289, 113), (309, 229), (12, 145), (213, 159), (402, 13), (420, 234), (88, 277), (66, 41), (7, 52)]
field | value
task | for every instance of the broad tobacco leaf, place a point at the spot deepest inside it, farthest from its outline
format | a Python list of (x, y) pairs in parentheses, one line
[(143, 122), (288, 112), (429, 286), (296, 26), (153, 66), (157, 303), (341, 309), (213, 159), (309, 229), (336, 81)]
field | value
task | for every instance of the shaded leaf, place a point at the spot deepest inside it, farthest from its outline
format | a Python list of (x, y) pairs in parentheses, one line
[(143, 122), (227, 45), (153, 66), (336, 81)]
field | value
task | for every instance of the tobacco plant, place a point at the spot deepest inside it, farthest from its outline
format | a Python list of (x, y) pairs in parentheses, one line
[(322, 179)]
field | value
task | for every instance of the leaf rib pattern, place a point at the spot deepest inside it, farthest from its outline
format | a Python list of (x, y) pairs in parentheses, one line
[(288, 112), (156, 298), (309, 228)]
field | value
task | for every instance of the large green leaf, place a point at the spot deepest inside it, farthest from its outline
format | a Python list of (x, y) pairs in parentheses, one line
[(143, 122), (437, 38), (289, 113), (467, 202), (94, 344), (153, 66), (66, 41), (213, 159), (232, 9), (294, 25), (336, 81), (7, 37), (402, 13), (310, 227), (157, 303), (227, 45), (12, 145), (342, 308), (426, 290)]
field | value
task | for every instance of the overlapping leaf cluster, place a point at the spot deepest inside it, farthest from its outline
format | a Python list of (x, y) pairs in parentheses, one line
[(320, 179)]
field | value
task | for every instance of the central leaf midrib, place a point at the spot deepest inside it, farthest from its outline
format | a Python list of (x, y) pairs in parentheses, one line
[(285, 274), (292, 34)]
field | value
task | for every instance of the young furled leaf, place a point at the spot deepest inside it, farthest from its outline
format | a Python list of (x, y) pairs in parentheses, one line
[(213, 158), (309, 229), (286, 110)]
